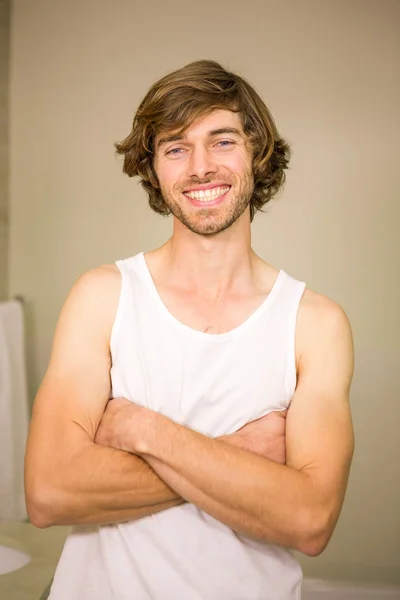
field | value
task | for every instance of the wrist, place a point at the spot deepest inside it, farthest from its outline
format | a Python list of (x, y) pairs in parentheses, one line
[(223, 438), (148, 431), (232, 439)]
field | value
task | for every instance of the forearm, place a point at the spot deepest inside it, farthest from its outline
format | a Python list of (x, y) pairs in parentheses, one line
[(107, 517), (90, 483), (95, 484), (248, 493), (241, 521)]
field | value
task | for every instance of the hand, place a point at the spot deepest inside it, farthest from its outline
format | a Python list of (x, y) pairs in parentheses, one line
[(120, 424), (264, 436)]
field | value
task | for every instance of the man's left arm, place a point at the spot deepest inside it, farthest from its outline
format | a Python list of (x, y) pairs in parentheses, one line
[(295, 505)]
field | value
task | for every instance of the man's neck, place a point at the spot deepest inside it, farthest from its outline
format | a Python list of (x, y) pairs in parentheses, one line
[(212, 267)]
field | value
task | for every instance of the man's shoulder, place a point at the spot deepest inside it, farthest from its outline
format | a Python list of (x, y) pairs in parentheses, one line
[(102, 271), (321, 321), (96, 291), (103, 276), (316, 308)]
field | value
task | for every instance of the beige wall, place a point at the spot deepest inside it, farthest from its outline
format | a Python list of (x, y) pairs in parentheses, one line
[(329, 72), (4, 138)]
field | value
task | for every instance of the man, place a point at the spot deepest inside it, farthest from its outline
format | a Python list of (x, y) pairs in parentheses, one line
[(228, 438)]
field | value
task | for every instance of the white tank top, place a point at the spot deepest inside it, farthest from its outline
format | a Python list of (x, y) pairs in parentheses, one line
[(213, 384)]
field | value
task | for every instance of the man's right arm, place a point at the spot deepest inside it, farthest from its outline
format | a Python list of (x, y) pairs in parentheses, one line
[(68, 478)]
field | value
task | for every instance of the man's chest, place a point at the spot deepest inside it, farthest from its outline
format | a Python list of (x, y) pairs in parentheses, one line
[(213, 384), (215, 317)]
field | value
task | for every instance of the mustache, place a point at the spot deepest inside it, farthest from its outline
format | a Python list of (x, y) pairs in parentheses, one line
[(194, 182)]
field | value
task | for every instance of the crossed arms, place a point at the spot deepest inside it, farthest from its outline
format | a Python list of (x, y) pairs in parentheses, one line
[(90, 461)]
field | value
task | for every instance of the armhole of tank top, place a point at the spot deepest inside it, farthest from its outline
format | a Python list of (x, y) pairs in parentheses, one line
[(114, 335), (291, 373)]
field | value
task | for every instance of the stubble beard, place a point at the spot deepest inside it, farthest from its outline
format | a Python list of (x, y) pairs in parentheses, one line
[(207, 221)]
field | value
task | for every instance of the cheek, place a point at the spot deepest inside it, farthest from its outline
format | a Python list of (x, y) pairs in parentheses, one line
[(239, 162), (169, 177), (242, 169)]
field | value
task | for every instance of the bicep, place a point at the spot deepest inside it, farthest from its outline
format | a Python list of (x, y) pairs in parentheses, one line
[(76, 387), (319, 432)]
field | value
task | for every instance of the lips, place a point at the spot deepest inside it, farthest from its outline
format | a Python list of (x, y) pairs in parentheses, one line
[(209, 186), (207, 195), (208, 199)]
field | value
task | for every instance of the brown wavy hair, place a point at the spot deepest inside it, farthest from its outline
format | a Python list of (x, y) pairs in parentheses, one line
[(181, 97)]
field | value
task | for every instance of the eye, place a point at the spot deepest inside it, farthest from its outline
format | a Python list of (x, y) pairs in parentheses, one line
[(174, 151), (225, 143)]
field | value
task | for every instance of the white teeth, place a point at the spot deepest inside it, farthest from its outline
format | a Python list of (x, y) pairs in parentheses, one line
[(207, 195)]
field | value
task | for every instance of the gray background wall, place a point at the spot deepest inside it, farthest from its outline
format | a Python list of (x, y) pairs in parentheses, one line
[(4, 90), (329, 73)]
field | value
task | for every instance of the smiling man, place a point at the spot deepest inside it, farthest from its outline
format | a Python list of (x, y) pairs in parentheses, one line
[(227, 147), (193, 424)]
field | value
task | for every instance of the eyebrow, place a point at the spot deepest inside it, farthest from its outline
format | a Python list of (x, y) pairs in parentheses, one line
[(213, 132)]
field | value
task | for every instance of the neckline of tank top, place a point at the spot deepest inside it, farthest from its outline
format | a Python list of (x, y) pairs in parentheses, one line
[(200, 335)]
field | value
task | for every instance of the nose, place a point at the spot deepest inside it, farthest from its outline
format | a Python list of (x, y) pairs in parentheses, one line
[(201, 163)]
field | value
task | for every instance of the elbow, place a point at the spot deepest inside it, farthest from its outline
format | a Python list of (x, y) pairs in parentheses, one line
[(40, 506), (313, 547), (314, 534), (38, 518)]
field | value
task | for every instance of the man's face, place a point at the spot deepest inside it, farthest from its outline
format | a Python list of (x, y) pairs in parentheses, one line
[(205, 174)]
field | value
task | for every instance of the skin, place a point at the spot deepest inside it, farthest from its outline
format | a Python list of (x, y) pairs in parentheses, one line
[(222, 158), (93, 461)]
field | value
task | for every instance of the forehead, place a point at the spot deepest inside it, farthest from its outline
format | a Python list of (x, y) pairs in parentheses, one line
[(205, 125), (215, 120)]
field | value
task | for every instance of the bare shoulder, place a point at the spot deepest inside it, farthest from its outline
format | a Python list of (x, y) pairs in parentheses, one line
[(322, 327), (317, 310), (102, 275), (102, 283), (92, 301)]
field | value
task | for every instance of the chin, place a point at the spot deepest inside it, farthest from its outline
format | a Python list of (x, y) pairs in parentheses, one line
[(209, 229)]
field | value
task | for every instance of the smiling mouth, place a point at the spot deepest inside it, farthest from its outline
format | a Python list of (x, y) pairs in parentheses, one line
[(208, 195)]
